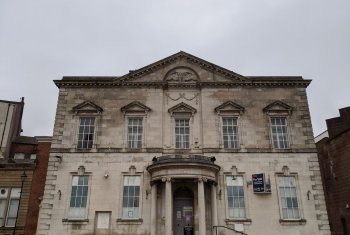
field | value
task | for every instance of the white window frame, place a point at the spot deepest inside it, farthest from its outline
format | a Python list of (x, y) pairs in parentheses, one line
[(278, 134), (188, 119), (128, 118), (222, 117), (297, 194), (94, 133), (245, 208), (71, 216), (127, 210), (9, 198)]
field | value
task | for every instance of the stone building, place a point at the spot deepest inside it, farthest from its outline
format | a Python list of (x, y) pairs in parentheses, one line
[(182, 146), (334, 156)]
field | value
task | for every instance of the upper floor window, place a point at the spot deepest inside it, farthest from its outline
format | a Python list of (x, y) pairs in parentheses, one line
[(288, 197), (88, 114), (279, 132), (235, 197), (278, 113), (19, 156), (78, 198), (131, 197), (9, 201), (86, 132), (135, 131), (230, 132), (182, 133)]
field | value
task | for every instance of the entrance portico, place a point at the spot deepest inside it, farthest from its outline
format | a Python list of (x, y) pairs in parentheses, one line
[(183, 175)]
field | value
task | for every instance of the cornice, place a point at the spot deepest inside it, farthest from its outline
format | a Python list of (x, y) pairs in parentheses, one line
[(111, 84)]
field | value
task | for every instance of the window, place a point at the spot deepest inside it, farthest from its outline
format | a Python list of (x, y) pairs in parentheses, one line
[(131, 197), (86, 132), (78, 198), (288, 197), (230, 132), (9, 201), (33, 156), (19, 156), (235, 197), (182, 133), (279, 132), (135, 129)]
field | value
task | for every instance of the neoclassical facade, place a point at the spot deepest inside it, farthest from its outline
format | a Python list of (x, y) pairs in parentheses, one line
[(183, 146)]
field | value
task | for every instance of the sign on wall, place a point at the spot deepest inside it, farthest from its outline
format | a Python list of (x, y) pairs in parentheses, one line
[(260, 185)]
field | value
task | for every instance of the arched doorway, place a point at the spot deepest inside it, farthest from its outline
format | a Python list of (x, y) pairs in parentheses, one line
[(183, 213)]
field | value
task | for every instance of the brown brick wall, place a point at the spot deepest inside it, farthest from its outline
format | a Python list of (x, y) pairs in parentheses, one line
[(334, 158), (38, 184)]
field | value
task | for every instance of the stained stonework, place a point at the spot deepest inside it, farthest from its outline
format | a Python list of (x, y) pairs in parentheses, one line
[(182, 87)]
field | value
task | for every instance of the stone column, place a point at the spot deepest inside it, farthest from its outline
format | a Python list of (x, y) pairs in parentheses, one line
[(154, 209), (201, 206), (169, 207), (214, 209)]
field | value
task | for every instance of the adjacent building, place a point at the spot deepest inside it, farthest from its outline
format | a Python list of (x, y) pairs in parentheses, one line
[(183, 146), (334, 156), (23, 168)]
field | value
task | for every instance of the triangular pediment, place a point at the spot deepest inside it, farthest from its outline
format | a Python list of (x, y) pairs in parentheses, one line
[(278, 107), (182, 109), (87, 107), (182, 67), (229, 108), (135, 107)]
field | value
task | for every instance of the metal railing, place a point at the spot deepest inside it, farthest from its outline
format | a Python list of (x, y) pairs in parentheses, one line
[(220, 226)]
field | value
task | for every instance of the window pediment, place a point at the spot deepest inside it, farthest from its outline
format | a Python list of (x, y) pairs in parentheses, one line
[(182, 109), (135, 107), (87, 107), (229, 108), (278, 108)]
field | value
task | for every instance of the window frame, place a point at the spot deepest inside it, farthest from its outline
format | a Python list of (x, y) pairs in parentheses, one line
[(245, 191), (139, 198), (86, 212), (8, 201), (143, 117), (222, 141), (188, 119), (287, 134), (298, 195), (93, 145)]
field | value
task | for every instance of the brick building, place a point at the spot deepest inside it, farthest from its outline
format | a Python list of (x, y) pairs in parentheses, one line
[(183, 144), (334, 157), (23, 170)]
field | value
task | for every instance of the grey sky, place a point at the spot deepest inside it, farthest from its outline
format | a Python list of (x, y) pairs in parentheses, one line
[(43, 40)]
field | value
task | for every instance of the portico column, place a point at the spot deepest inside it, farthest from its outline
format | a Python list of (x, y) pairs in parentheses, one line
[(154, 209), (201, 206), (168, 207), (214, 209)]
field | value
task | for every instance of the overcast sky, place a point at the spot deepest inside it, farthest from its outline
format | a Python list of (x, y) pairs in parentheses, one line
[(43, 40)]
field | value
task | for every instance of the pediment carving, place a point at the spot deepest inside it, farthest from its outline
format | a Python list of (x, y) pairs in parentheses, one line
[(87, 107), (135, 107), (278, 108), (181, 74), (229, 108), (182, 109)]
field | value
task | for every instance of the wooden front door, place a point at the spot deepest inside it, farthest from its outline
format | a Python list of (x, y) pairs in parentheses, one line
[(183, 214)]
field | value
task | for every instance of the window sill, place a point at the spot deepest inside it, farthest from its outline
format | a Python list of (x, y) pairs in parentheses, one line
[(238, 220), (292, 222), (75, 221), (129, 221)]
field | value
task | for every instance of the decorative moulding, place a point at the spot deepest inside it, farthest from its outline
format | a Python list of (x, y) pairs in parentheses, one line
[(229, 108), (135, 107), (182, 109), (181, 74), (87, 107), (278, 108)]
